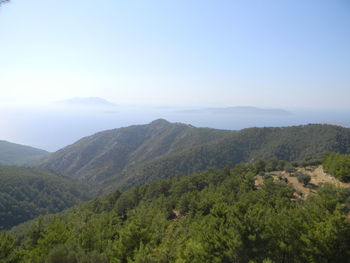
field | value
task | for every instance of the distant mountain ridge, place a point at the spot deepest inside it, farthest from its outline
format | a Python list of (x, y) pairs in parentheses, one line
[(138, 154), (17, 154), (244, 110), (88, 101)]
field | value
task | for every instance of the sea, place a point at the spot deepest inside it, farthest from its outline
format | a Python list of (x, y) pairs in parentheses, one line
[(54, 127)]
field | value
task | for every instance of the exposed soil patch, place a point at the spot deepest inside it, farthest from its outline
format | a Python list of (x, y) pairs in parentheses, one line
[(318, 177), (259, 180)]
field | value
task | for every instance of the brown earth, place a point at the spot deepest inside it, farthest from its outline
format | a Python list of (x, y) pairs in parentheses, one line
[(318, 177)]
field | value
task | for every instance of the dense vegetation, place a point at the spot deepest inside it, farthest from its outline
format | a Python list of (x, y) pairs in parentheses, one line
[(213, 216), (291, 143), (99, 156), (26, 193), (16, 154), (338, 165), (122, 158)]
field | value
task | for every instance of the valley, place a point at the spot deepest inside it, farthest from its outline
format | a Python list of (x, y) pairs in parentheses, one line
[(174, 131), (154, 191)]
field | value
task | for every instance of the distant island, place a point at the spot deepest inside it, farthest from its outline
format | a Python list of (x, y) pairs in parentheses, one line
[(247, 110), (86, 101)]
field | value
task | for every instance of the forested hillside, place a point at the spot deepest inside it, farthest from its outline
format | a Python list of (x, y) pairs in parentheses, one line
[(338, 165), (99, 156), (16, 154), (26, 193), (209, 216), (135, 155), (289, 143), (213, 216)]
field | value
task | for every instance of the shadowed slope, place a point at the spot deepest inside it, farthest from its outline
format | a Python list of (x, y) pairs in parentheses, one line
[(16, 154)]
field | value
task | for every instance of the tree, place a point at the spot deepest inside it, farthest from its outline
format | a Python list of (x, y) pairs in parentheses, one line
[(8, 248), (260, 166), (338, 165), (271, 165), (304, 178), (224, 219), (289, 168)]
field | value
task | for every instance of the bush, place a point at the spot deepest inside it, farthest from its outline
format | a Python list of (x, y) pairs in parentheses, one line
[(267, 176)]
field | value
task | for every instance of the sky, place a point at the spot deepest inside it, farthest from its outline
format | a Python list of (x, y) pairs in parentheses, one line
[(287, 54)]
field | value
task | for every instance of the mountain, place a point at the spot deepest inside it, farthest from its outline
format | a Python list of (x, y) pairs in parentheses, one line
[(90, 101), (26, 193), (242, 110), (104, 154), (168, 220), (290, 143), (16, 154), (122, 158)]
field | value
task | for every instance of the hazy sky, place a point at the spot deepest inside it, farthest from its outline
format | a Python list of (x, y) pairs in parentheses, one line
[(192, 52)]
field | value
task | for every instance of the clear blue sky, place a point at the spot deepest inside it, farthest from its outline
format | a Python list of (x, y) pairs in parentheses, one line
[(287, 54)]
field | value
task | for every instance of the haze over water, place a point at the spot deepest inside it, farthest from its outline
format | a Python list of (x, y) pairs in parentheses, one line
[(53, 127), (198, 54)]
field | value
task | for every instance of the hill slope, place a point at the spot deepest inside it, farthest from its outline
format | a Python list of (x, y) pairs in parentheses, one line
[(26, 193), (289, 143), (16, 154), (213, 216), (139, 154), (104, 154)]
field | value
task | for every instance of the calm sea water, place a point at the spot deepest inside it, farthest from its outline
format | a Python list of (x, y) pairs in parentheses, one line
[(52, 128)]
